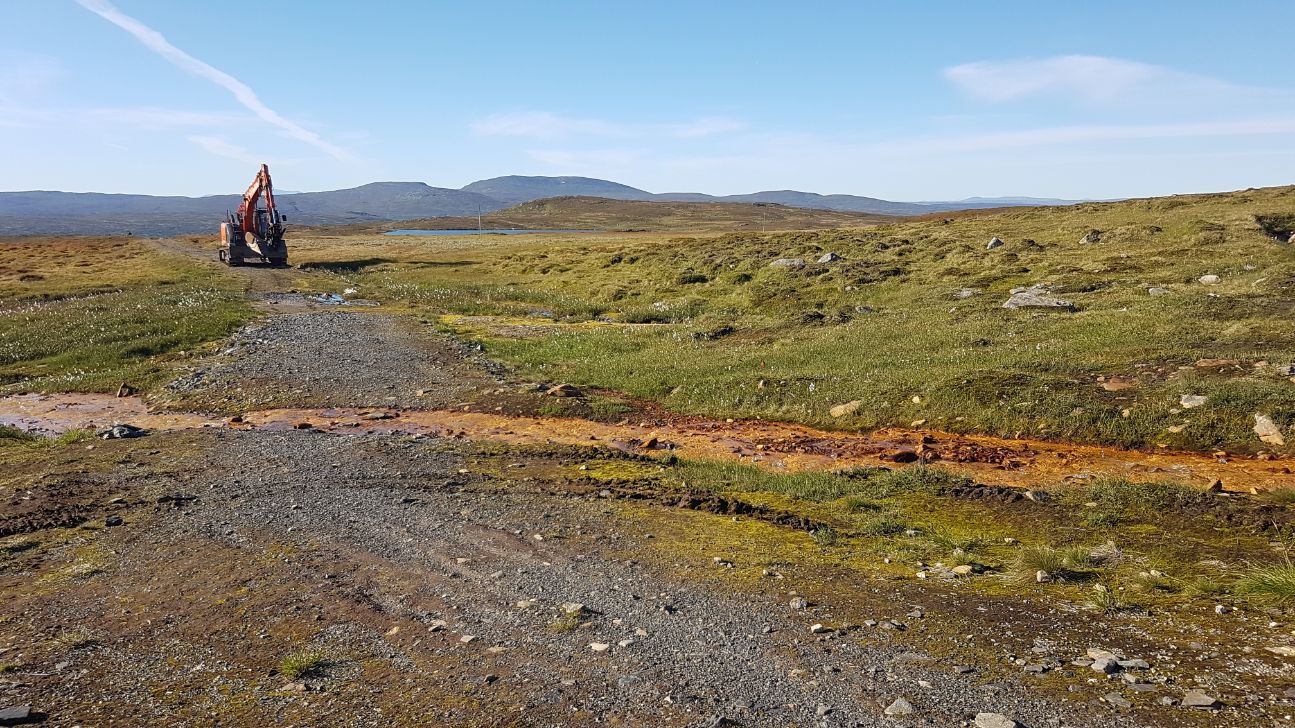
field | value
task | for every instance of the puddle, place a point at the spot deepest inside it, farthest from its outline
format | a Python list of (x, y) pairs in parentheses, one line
[(778, 446)]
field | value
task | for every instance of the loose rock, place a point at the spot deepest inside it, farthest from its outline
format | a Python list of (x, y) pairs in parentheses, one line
[(900, 707), (995, 720)]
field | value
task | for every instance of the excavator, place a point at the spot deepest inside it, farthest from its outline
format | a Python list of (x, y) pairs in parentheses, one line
[(254, 233)]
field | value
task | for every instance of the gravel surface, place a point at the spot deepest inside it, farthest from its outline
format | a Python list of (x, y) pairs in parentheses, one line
[(337, 358), (162, 580), (369, 534)]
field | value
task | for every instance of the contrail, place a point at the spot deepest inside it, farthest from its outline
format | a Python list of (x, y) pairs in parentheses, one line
[(156, 42)]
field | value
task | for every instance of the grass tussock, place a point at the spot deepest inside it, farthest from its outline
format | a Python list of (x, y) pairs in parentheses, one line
[(1269, 584), (299, 665)]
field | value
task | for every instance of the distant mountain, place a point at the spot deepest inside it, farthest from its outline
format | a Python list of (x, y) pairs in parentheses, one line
[(515, 189), (77, 213), (92, 213)]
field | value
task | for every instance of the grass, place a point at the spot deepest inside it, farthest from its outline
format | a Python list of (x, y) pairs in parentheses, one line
[(1070, 563), (884, 325), (100, 312), (75, 639), (1270, 584), (299, 665)]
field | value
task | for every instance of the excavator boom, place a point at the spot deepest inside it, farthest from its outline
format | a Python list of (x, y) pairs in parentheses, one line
[(255, 233)]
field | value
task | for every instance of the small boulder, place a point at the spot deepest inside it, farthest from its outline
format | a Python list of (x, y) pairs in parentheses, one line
[(1042, 577), (788, 263), (962, 570), (1035, 299), (966, 292), (849, 408), (900, 707), (599, 646), (1093, 236), (994, 243), (1268, 431), (995, 720), (1209, 280), (829, 258), (1198, 699), (1157, 291), (564, 390), (1188, 401)]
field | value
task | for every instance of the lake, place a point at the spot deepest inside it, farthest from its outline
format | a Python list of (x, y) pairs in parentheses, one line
[(480, 232)]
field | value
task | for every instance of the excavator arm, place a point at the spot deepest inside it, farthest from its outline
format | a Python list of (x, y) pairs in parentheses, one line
[(261, 185)]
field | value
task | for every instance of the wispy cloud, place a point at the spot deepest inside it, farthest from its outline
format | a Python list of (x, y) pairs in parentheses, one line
[(1094, 78), (1083, 78), (222, 147), (545, 125), (157, 43)]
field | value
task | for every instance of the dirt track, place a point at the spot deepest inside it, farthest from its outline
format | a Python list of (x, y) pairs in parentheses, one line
[(238, 547)]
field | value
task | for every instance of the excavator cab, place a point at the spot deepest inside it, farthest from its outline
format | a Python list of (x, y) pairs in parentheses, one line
[(254, 233)]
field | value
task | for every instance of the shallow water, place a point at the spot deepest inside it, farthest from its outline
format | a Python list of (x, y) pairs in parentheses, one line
[(773, 445)]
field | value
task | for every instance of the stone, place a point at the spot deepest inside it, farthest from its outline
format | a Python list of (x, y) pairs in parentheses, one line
[(467, 639), (849, 408), (1188, 401), (1198, 699), (1117, 700), (122, 431), (963, 669), (823, 710), (1157, 291), (1093, 236), (125, 390), (1284, 651), (962, 570), (1036, 299), (1042, 577), (1135, 664), (1268, 431), (966, 292), (900, 707), (1105, 665), (599, 646), (994, 243), (380, 415), (798, 603), (788, 263), (995, 720), (112, 521), (564, 390), (1209, 280), (573, 608), (818, 629), (1038, 496), (1222, 609), (829, 258), (436, 625), (15, 714)]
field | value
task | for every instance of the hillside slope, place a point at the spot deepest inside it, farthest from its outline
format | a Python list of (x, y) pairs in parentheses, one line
[(597, 213)]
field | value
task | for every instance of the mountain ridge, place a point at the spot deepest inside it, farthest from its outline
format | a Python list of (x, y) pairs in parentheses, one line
[(52, 212)]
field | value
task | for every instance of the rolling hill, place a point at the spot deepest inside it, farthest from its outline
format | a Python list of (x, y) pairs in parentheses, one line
[(78, 213), (600, 213)]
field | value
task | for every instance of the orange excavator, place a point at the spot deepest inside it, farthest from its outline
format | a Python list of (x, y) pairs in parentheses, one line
[(254, 233)]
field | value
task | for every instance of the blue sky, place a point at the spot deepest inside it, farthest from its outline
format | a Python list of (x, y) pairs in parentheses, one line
[(899, 100)]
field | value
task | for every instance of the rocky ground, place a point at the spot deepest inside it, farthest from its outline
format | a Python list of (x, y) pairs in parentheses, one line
[(426, 581)]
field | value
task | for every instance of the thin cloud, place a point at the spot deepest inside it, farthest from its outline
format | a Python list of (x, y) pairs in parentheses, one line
[(157, 43), (545, 125), (221, 147), (1092, 77)]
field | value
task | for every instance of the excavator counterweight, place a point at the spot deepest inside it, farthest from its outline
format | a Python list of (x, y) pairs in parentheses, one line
[(255, 233)]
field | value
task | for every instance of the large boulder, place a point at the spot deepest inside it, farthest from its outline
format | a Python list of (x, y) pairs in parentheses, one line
[(1036, 298)]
